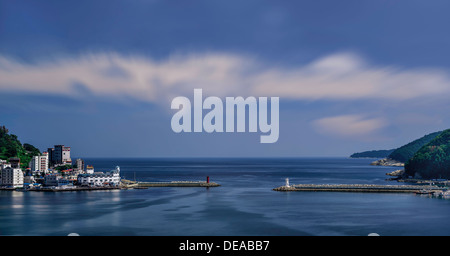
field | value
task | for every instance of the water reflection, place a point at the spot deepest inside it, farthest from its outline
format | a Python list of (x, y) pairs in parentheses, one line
[(17, 201)]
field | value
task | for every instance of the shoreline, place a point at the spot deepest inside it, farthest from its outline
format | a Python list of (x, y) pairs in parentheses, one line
[(387, 162), (59, 189), (126, 184)]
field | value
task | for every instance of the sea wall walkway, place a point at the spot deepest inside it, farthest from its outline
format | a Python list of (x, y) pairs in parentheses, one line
[(359, 188), (140, 184)]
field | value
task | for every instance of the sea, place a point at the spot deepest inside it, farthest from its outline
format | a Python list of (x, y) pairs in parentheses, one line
[(244, 205)]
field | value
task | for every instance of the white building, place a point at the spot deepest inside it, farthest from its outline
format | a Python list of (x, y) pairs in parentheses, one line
[(90, 169), (39, 163), (80, 165), (111, 178), (11, 177)]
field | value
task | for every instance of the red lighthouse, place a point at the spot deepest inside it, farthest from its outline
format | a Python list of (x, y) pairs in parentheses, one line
[(207, 179)]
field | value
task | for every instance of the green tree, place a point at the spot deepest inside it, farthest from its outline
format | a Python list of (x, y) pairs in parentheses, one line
[(10, 146), (406, 152), (432, 160)]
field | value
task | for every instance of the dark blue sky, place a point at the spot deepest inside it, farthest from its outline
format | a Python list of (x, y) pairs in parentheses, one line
[(408, 33), (399, 42)]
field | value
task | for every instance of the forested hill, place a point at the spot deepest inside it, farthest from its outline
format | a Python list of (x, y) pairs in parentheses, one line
[(401, 154), (373, 154), (10, 146), (406, 152), (432, 160)]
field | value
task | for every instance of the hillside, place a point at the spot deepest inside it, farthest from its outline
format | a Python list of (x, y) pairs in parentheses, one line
[(432, 160), (401, 154), (404, 153), (10, 146), (373, 154)]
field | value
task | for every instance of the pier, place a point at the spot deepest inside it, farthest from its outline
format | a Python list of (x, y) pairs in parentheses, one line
[(372, 188), (142, 185)]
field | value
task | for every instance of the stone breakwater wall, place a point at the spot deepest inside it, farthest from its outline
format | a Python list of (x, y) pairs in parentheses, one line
[(178, 184), (358, 188)]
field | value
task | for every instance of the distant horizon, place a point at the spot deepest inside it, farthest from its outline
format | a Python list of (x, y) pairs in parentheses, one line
[(214, 157)]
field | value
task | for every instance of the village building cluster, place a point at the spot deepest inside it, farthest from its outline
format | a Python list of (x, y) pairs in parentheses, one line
[(54, 169)]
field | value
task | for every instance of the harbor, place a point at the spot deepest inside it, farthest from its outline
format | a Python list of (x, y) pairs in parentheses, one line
[(244, 193), (123, 185)]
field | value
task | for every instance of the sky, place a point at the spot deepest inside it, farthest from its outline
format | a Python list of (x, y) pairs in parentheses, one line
[(99, 76)]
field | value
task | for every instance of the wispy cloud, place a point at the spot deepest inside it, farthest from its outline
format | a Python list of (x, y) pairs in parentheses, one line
[(348, 76), (117, 75), (355, 126), (340, 76)]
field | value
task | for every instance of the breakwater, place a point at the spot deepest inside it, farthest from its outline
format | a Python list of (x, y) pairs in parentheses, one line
[(140, 184), (360, 188)]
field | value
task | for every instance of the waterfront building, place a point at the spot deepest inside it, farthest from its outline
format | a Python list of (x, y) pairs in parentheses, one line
[(90, 169), (39, 163), (51, 155), (59, 155), (51, 179), (111, 178), (71, 175), (34, 164), (55, 180), (43, 162), (80, 164), (11, 177), (29, 179)]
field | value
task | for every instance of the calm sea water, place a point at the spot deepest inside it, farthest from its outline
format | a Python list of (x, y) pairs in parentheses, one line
[(244, 205)]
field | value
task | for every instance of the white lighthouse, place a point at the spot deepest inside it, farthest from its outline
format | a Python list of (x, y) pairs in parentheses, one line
[(287, 182)]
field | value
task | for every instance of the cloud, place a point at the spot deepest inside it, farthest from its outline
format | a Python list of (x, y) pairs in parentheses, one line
[(349, 125), (342, 76), (347, 76), (117, 76)]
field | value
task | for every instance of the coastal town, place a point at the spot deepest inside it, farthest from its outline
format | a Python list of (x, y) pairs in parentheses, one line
[(54, 170)]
